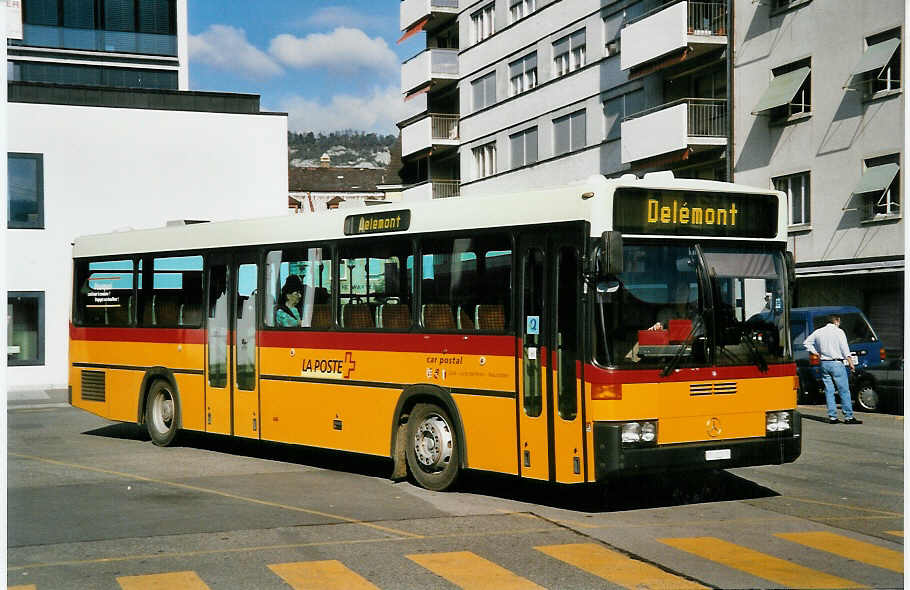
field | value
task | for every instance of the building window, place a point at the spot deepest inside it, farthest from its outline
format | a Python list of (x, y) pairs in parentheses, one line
[(612, 27), (569, 133), (618, 108), (484, 90), (523, 74), (880, 187), (482, 23), (880, 68), (796, 187), (485, 160), (25, 186), (25, 328), (52, 73), (524, 147), (569, 53), (518, 9)]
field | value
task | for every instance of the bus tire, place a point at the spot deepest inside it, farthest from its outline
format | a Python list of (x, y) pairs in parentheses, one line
[(432, 447), (162, 413)]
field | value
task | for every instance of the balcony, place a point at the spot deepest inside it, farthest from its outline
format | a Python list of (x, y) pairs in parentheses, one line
[(97, 40), (432, 131), (690, 123), (671, 33), (415, 11), (433, 65), (432, 189)]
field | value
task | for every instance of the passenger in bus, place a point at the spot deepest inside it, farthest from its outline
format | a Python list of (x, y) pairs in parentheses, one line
[(287, 314)]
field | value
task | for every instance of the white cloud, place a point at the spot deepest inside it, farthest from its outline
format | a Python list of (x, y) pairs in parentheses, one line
[(226, 48), (344, 49), (335, 16), (377, 112)]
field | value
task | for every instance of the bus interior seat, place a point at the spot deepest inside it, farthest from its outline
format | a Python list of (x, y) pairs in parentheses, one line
[(394, 316), (167, 309), (120, 315), (148, 311), (322, 316), (437, 316), (191, 314), (464, 317), (490, 317), (356, 316)]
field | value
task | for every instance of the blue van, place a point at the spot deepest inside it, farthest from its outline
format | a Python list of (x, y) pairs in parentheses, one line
[(869, 350)]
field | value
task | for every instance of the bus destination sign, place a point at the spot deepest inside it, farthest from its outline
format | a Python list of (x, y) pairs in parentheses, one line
[(374, 223), (694, 213)]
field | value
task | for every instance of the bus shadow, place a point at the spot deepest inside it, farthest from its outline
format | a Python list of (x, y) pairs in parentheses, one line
[(256, 449), (632, 493)]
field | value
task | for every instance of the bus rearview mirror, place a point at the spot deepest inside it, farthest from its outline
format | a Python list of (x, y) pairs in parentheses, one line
[(611, 253)]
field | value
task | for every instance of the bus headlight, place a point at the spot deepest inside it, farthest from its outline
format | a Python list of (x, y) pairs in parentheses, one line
[(639, 433), (778, 421)]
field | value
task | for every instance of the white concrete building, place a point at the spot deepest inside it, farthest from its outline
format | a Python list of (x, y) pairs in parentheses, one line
[(102, 135), (512, 94)]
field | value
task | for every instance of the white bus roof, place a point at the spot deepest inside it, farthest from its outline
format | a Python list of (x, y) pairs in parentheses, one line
[(548, 205)]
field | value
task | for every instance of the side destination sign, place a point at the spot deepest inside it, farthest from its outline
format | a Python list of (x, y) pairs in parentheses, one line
[(694, 213), (374, 223)]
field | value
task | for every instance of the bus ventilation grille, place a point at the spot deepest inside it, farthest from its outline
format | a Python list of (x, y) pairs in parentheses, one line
[(725, 388), (93, 386)]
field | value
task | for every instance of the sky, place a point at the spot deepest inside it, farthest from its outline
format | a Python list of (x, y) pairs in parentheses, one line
[(331, 65)]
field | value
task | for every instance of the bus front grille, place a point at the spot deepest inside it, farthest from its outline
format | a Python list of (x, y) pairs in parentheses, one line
[(93, 386), (721, 388)]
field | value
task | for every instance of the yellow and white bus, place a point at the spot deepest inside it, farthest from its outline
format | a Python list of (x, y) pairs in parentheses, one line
[(573, 335)]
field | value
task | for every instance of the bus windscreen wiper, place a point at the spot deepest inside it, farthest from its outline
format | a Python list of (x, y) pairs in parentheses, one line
[(757, 359), (669, 367)]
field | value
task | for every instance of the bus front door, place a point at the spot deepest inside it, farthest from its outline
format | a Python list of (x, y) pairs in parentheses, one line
[(550, 423), (218, 347), (245, 383)]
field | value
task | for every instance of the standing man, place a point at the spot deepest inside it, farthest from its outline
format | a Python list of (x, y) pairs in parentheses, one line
[(830, 344)]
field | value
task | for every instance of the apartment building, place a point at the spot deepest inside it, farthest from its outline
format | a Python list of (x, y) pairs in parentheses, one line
[(509, 94), (104, 135), (819, 114)]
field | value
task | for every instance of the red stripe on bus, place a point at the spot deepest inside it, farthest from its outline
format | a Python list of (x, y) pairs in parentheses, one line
[(435, 343), (161, 335), (610, 376)]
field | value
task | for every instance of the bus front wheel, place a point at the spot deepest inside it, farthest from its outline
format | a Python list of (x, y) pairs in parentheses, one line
[(432, 447), (161, 413)]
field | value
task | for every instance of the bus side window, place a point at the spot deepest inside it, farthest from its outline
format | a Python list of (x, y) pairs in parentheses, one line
[(105, 294), (311, 269), (376, 284), (171, 294)]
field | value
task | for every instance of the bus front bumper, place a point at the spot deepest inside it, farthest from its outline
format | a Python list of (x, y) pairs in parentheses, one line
[(613, 460)]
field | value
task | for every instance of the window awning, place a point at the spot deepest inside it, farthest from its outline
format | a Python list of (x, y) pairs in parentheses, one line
[(876, 179), (414, 29), (418, 91), (877, 56), (781, 90)]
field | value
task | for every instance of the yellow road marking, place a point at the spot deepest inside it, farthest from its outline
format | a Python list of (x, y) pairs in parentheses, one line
[(472, 572), (252, 549), (849, 548), (617, 568), (182, 580), (761, 565), (219, 493), (896, 533), (320, 575), (26, 587)]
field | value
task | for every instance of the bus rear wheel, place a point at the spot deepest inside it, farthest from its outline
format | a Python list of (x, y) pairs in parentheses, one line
[(432, 447), (161, 413)]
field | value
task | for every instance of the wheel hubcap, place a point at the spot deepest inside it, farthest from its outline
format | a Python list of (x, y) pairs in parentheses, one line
[(433, 444), (163, 411), (868, 399)]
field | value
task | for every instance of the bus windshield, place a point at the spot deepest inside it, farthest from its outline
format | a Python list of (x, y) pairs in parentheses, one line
[(682, 305)]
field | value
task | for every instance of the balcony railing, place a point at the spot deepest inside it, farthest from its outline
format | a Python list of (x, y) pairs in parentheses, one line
[(707, 117), (707, 18), (444, 126), (444, 61), (444, 4), (97, 40), (443, 189)]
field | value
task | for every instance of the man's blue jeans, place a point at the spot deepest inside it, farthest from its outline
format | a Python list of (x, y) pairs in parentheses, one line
[(834, 373)]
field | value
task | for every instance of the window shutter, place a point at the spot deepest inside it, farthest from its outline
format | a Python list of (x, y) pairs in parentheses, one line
[(515, 68), (41, 12), (477, 86), (578, 130), (517, 147), (561, 135), (578, 39), (531, 61), (560, 47), (154, 16), (119, 15), (490, 89), (531, 146), (79, 14)]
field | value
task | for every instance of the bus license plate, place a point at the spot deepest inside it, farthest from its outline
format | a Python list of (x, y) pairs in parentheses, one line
[(717, 454)]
